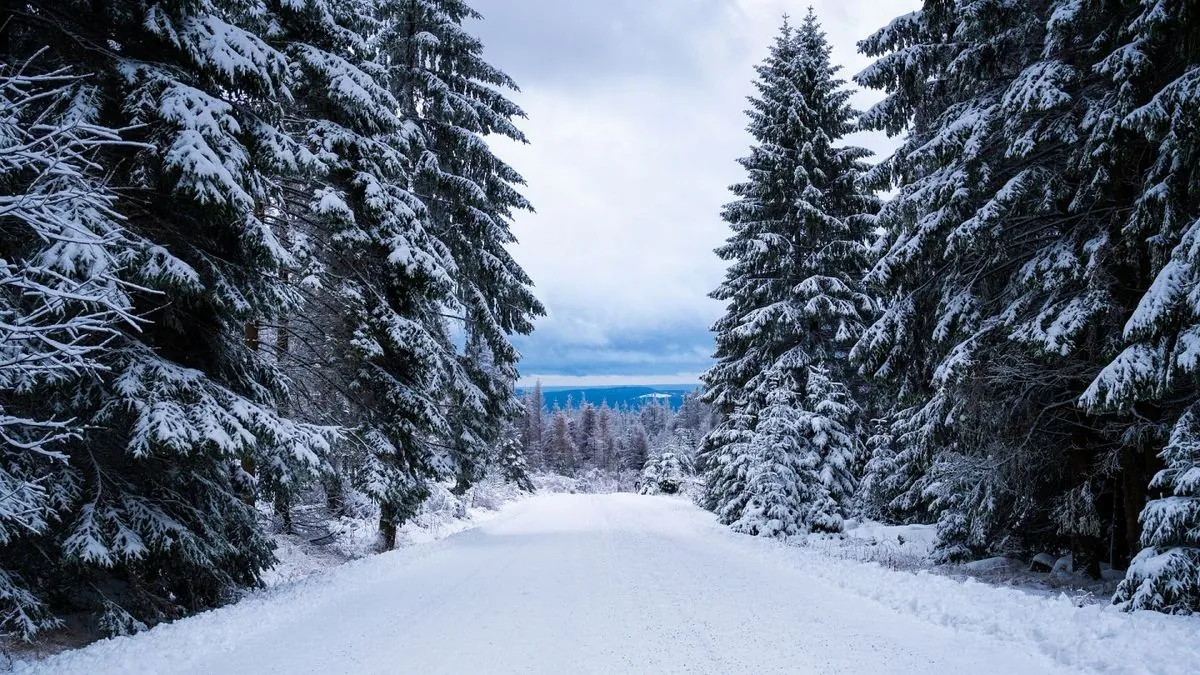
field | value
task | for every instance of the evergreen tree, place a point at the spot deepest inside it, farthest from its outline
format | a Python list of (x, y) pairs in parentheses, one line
[(533, 426), (389, 278), (693, 414), (1150, 105), (1046, 179), (155, 523), (638, 448), (829, 414), (179, 179), (781, 471), (606, 443), (654, 415), (726, 459), (666, 472), (898, 471), (799, 247), (562, 455), (1003, 264), (63, 249), (800, 226), (453, 99), (587, 438), (1165, 576), (512, 462)]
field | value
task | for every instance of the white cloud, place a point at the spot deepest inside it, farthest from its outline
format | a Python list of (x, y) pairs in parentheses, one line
[(634, 141)]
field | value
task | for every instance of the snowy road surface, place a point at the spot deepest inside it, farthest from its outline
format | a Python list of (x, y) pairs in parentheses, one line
[(620, 583)]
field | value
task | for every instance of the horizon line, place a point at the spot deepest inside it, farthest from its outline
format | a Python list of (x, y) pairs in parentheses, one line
[(585, 381)]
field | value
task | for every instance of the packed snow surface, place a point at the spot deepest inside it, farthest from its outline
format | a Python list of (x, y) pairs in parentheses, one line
[(624, 583)]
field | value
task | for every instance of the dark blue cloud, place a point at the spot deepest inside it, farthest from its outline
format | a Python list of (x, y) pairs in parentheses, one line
[(684, 348)]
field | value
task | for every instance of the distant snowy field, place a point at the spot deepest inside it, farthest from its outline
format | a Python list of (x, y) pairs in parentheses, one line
[(623, 583)]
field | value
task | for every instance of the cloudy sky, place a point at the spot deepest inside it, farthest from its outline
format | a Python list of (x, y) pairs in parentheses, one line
[(635, 124)]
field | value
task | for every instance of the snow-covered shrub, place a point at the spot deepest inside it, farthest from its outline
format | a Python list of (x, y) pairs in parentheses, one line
[(665, 473), (1165, 576)]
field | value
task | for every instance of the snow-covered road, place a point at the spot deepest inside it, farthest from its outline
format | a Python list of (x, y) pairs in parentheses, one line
[(621, 583)]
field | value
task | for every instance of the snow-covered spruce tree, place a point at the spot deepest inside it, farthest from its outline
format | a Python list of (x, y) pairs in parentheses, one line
[(561, 454), (666, 471), (783, 493), (1152, 101), (724, 460), (387, 277), (1165, 576), (533, 426), (637, 448), (607, 447), (1006, 268), (512, 462), (62, 251), (653, 416), (585, 434), (798, 250), (454, 99), (156, 525), (829, 415)]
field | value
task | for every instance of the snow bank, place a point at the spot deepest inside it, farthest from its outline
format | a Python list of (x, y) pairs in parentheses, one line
[(1095, 638), (159, 650), (900, 547), (357, 535)]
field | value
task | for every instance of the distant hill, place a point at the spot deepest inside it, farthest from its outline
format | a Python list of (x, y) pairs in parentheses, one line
[(617, 396)]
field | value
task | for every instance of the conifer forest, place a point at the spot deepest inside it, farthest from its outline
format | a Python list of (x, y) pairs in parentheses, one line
[(259, 285), (1006, 342)]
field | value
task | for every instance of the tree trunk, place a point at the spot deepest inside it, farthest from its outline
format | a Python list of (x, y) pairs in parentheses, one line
[(387, 527), (1086, 549), (253, 342), (253, 337), (283, 509), (1139, 463), (335, 496)]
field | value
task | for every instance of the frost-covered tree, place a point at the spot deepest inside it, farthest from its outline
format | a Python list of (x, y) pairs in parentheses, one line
[(512, 463), (829, 416), (693, 415), (1002, 274), (637, 448), (156, 524), (666, 472), (197, 198), (782, 492), (390, 279), (533, 426), (1045, 181), (724, 461), (654, 416), (801, 224), (561, 453), (1165, 576), (587, 439), (897, 473), (63, 250), (453, 100), (606, 446), (1149, 106)]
